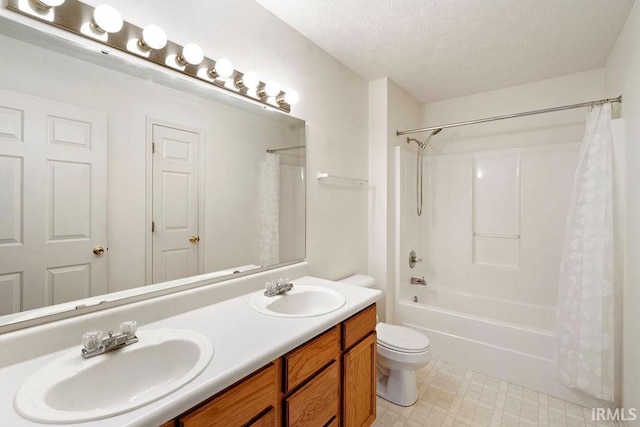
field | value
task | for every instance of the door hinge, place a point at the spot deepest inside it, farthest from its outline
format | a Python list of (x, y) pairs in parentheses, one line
[(153, 226), (153, 148)]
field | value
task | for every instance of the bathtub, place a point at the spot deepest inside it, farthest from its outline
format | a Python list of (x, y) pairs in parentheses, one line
[(503, 339)]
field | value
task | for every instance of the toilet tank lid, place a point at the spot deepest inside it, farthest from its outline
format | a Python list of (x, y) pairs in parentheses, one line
[(361, 280), (402, 338)]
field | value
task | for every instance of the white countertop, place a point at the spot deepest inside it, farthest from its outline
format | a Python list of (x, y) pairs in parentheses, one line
[(243, 340)]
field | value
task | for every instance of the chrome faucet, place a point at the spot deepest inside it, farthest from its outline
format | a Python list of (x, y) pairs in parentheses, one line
[(418, 281), (278, 287), (95, 344)]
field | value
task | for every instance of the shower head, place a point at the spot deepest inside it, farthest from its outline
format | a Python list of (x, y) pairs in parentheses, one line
[(424, 144)]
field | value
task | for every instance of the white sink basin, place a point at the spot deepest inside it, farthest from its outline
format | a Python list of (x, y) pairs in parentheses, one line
[(71, 389), (301, 301)]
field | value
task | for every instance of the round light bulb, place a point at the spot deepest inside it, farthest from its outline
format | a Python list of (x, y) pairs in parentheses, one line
[(192, 54), (224, 68), (107, 19), (154, 37), (250, 80), (47, 4), (291, 97), (272, 88)]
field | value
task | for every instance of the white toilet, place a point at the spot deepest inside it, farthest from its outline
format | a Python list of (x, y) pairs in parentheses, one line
[(401, 351)]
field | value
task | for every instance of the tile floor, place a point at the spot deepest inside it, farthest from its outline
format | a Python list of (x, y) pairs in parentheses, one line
[(453, 396)]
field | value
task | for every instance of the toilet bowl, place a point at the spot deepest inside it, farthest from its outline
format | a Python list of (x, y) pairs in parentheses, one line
[(401, 351)]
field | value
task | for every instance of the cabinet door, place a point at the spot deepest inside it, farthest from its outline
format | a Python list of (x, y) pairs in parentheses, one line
[(317, 402), (359, 366)]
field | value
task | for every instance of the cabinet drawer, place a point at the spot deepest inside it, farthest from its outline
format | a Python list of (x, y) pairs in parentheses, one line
[(304, 361), (239, 404), (358, 326), (317, 402)]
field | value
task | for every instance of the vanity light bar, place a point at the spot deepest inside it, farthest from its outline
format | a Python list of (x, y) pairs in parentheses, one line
[(80, 19)]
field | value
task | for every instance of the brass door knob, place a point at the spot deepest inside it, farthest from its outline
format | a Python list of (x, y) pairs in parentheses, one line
[(98, 250), (194, 239)]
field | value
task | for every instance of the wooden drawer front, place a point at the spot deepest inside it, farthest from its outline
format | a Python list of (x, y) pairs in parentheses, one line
[(317, 401), (358, 326), (304, 361), (238, 405), (267, 420), (359, 387)]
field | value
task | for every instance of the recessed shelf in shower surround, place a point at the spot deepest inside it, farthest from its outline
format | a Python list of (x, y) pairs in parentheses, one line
[(496, 208)]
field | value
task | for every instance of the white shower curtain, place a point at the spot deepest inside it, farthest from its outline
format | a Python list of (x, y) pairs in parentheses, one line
[(269, 210), (584, 339)]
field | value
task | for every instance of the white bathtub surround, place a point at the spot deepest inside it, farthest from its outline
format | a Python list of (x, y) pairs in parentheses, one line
[(480, 302), (585, 329), (269, 208)]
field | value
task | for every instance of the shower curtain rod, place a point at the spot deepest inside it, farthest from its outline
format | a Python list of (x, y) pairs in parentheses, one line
[(275, 150), (511, 116)]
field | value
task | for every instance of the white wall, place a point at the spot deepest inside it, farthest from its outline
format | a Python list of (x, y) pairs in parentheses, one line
[(333, 102), (622, 77), (390, 109), (557, 127)]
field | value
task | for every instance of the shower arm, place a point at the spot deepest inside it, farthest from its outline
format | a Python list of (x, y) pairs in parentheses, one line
[(424, 144)]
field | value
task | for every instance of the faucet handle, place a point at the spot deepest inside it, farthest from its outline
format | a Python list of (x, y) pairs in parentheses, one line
[(129, 328), (92, 340), (283, 281)]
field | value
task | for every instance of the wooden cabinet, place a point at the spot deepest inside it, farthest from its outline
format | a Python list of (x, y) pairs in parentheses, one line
[(358, 326), (311, 383), (359, 383), (359, 368), (328, 381), (300, 364), (317, 403), (240, 404)]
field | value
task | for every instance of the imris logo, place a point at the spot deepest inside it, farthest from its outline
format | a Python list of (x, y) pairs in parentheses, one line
[(618, 414)]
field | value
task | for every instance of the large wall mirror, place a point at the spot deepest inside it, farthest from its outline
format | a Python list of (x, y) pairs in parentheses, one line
[(110, 182)]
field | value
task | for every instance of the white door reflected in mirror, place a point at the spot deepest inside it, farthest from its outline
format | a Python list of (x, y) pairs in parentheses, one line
[(53, 194)]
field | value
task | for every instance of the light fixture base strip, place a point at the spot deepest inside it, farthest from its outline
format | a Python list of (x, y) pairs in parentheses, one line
[(75, 16)]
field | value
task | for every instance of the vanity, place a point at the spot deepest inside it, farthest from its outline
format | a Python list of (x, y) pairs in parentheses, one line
[(265, 370), (329, 380)]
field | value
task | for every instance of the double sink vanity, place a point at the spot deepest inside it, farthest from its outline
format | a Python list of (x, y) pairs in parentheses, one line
[(302, 357)]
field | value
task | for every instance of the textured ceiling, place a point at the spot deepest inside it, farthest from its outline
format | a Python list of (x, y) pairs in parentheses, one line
[(440, 49)]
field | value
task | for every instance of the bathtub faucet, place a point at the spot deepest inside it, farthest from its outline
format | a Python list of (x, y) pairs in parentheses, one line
[(418, 281)]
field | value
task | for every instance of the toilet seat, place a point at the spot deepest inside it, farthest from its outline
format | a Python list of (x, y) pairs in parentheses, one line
[(401, 339)]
